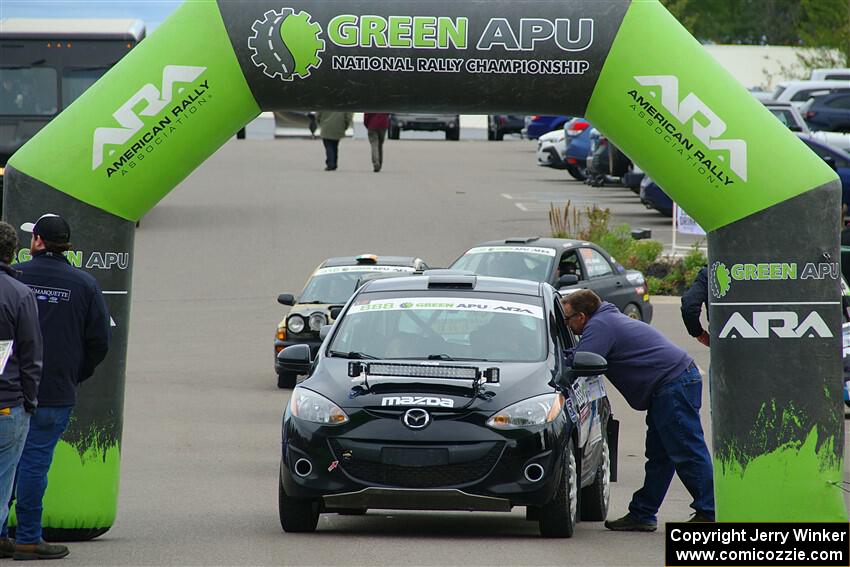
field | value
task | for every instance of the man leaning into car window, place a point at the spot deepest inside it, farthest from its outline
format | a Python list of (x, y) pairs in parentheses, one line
[(653, 375)]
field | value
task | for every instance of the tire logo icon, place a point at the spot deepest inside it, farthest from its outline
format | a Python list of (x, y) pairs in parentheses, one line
[(286, 45)]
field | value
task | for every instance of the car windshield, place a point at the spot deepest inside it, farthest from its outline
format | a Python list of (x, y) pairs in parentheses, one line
[(518, 262), (443, 327), (336, 284)]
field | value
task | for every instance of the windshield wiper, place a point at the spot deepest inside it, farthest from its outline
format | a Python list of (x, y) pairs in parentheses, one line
[(353, 354), (447, 357), (314, 302)]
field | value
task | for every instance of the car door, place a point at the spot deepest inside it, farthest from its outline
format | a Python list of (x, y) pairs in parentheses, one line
[(603, 278), (584, 408)]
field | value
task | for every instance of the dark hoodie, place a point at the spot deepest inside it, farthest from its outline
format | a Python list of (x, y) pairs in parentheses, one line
[(640, 359), (19, 323)]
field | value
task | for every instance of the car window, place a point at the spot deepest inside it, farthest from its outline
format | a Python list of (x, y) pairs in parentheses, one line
[(460, 328), (560, 326), (26, 91), (842, 102), (787, 118), (806, 94), (336, 284), (596, 264), (570, 264), (518, 262)]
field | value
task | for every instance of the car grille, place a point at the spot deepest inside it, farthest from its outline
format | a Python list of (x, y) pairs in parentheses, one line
[(437, 476)]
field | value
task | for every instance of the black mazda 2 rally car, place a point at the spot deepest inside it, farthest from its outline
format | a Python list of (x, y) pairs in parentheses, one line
[(448, 391)]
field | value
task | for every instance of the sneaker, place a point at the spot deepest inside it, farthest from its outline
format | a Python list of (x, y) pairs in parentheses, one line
[(628, 524), (7, 547), (41, 550), (699, 518)]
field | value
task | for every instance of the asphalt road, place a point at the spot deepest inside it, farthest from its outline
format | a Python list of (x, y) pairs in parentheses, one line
[(202, 417)]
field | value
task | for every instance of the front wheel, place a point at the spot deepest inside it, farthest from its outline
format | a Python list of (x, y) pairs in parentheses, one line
[(595, 498), (578, 173), (632, 311), (558, 517), (296, 515)]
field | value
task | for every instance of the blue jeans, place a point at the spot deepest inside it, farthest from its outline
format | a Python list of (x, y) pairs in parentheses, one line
[(46, 428), (13, 433), (675, 443)]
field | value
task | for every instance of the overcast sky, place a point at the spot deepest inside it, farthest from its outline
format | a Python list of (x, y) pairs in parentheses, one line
[(152, 12)]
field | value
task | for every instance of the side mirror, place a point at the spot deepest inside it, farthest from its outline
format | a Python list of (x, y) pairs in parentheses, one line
[(589, 364), (286, 299), (324, 331), (295, 358), (567, 280), (584, 364), (335, 311)]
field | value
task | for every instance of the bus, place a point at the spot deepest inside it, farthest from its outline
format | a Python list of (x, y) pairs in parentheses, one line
[(45, 64)]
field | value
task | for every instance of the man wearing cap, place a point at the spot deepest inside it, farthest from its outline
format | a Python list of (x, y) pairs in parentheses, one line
[(75, 327), (20, 369)]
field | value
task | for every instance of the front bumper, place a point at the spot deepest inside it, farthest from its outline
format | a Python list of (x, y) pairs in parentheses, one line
[(456, 466)]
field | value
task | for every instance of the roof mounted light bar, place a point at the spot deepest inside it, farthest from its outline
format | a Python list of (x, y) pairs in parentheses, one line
[(428, 371)]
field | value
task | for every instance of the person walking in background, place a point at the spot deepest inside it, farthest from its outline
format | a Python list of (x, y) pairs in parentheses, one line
[(692, 303), (377, 125), (655, 376), (75, 326), (20, 370), (333, 126)]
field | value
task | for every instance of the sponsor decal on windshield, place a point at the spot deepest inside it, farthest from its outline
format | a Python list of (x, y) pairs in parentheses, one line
[(448, 304), (522, 249), (347, 269)]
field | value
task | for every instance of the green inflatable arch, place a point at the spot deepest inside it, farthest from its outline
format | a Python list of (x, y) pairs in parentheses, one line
[(629, 67)]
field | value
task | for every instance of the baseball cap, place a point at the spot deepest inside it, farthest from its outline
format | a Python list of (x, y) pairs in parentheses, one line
[(50, 227)]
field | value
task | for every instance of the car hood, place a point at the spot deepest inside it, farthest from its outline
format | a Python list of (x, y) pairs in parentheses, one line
[(517, 381)]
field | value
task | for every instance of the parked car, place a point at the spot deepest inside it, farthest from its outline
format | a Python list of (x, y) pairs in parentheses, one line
[(654, 197), (450, 392), (828, 112), (568, 265), (331, 284), (550, 150), (791, 116), (838, 159), (539, 124), (449, 123), (578, 148), (500, 124), (633, 178), (798, 92)]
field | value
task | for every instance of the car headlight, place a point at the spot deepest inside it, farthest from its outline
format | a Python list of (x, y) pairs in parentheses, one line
[(308, 405), (538, 410), (316, 321), (295, 323)]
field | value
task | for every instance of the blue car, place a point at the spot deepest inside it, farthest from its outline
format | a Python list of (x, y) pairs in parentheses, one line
[(578, 148), (829, 112), (653, 197), (836, 157), (539, 124)]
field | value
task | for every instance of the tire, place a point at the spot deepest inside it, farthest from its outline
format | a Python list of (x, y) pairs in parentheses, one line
[(286, 380), (558, 517), (453, 134), (578, 173), (632, 311), (393, 133), (595, 498), (296, 515)]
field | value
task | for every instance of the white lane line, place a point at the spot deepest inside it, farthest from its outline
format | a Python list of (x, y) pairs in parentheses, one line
[(521, 207), (508, 197)]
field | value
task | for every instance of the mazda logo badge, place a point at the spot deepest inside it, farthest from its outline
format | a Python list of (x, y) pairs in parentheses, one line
[(416, 418)]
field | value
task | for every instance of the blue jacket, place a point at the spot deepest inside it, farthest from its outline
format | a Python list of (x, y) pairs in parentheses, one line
[(19, 323), (640, 359), (74, 324)]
